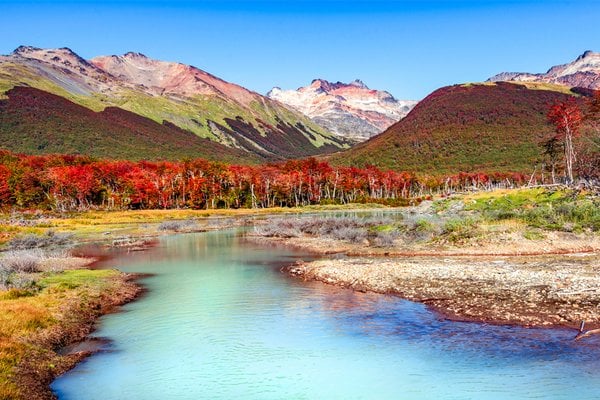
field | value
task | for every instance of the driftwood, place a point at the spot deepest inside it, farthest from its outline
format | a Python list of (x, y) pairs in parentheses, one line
[(583, 334)]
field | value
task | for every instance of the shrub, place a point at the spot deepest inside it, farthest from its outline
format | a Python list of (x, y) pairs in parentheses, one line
[(50, 239), (276, 230), (351, 229), (5, 274), (22, 261), (21, 281), (385, 238), (176, 225), (459, 229), (350, 234)]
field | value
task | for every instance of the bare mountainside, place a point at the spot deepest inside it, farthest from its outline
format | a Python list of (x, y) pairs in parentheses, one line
[(583, 72), (350, 110), (172, 93)]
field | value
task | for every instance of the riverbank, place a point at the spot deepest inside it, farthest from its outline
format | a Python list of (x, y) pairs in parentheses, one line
[(529, 291), (513, 244), (59, 310), (106, 226), (526, 257)]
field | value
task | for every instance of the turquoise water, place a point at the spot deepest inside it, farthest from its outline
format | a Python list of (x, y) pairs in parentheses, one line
[(220, 321)]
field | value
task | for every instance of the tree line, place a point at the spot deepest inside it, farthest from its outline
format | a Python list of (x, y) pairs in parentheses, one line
[(68, 182)]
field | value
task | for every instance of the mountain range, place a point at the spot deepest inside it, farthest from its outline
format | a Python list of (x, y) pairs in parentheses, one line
[(134, 107), (584, 72), (167, 93), (350, 110)]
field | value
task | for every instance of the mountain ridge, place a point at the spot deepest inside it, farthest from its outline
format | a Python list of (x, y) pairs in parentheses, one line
[(486, 127), (583, 72), (350, 110), (186, 96)]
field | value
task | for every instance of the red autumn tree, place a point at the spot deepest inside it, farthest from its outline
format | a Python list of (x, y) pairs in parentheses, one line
[(566, 117), (5, 194), (592, 115)]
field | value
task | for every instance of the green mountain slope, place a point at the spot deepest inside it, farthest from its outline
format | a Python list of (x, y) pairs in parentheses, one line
[(36, 122), (179, 94)]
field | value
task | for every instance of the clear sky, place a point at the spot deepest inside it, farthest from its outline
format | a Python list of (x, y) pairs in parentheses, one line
[(406, 47)]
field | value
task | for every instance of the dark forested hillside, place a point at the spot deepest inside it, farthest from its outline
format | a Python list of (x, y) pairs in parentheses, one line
[(473, 127)]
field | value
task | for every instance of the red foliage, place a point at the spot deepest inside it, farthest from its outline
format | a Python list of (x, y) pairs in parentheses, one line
[(68, 182), (566, 117), (5, 194)]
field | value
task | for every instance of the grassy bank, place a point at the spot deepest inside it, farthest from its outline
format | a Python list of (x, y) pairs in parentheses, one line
[(59, 308), (549, 209), (91, 225), (506, 221)]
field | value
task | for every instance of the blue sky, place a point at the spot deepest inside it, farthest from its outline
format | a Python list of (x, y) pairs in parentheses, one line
[(409, 48)]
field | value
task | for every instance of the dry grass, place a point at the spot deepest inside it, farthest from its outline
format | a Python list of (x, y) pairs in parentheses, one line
[(34, 322), (90, 224)]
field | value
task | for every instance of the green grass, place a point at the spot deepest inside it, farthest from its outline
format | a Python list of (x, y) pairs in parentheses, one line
[(558, 210), (76, 278), (459, 230)]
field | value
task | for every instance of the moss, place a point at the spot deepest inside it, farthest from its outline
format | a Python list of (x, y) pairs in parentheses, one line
[(533, 235), (76, 278)]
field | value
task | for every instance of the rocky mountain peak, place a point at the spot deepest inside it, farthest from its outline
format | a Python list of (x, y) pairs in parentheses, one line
[(583, 72), (21, 50), (134, 54), (321, 84), (586, 54), (62, 56), (351, 110), (358, 83)]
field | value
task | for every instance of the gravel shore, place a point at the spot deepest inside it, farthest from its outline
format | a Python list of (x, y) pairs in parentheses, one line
[(530, 291)]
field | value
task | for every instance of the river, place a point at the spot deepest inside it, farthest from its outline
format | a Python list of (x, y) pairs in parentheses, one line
[(220, 321)]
